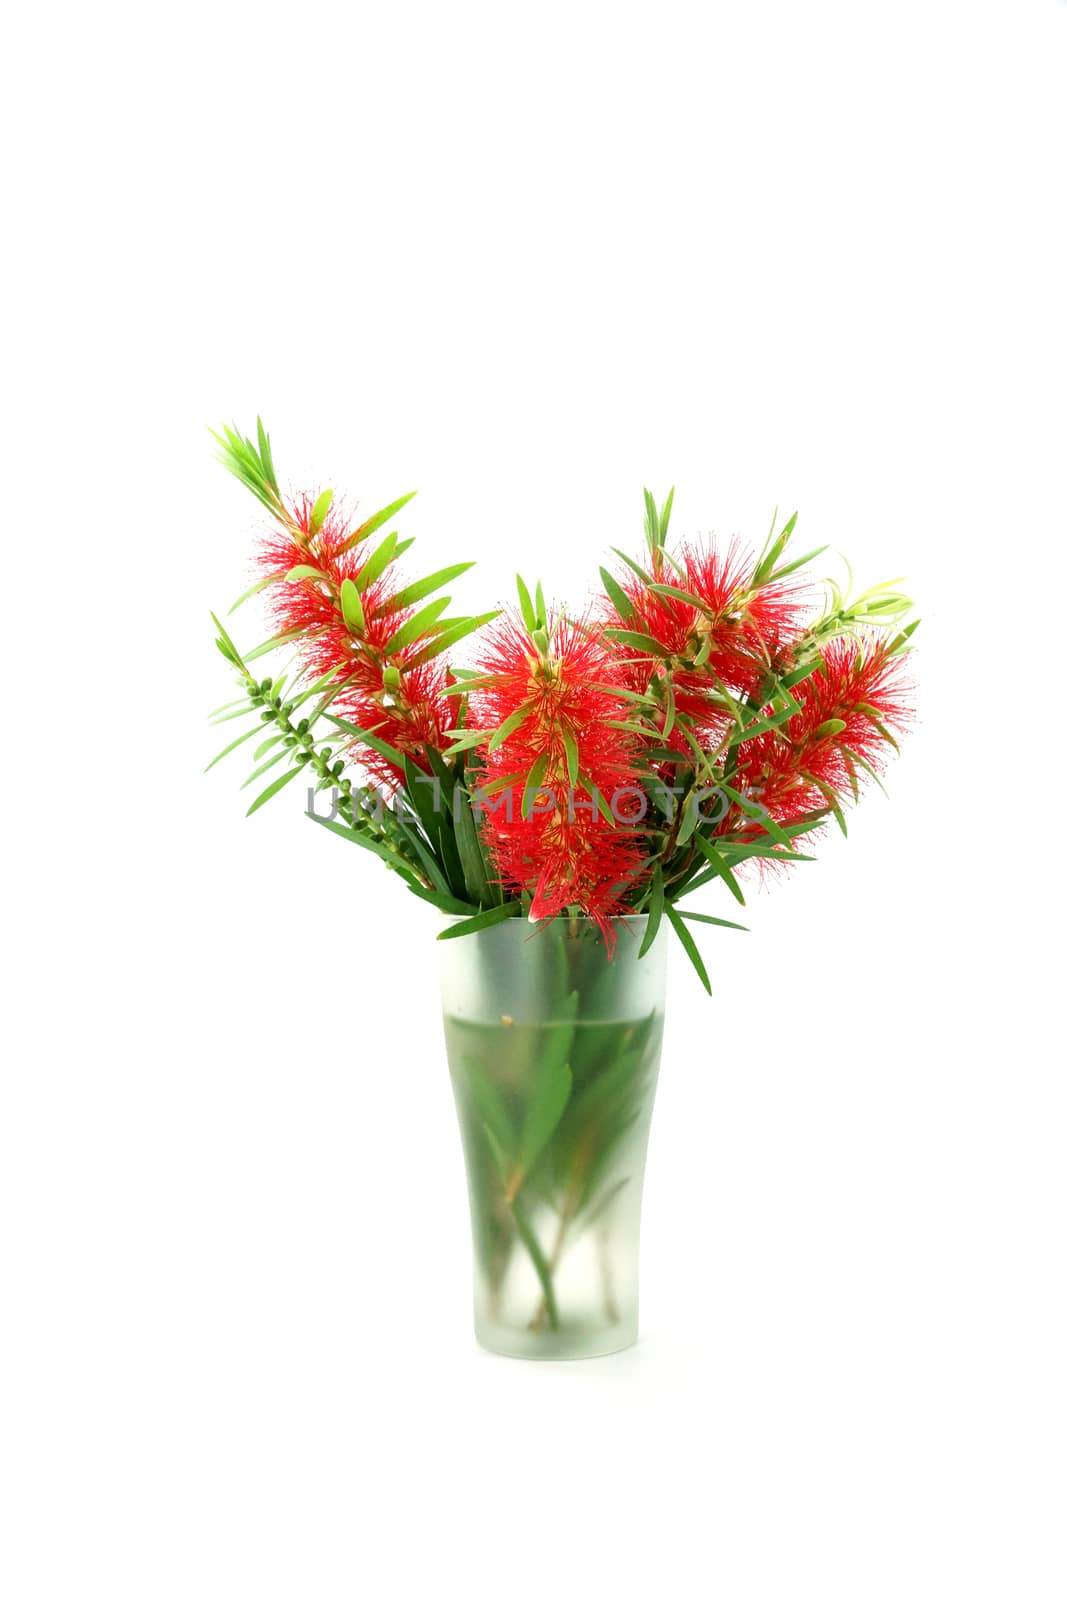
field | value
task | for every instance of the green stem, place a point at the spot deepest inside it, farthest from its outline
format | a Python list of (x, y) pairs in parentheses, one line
[(540, 1262)]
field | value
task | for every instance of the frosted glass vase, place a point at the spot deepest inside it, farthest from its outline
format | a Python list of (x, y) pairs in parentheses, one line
[(553, 1049)]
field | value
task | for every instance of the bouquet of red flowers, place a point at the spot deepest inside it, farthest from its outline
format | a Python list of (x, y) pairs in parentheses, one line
[(702, 715), (585, 771)]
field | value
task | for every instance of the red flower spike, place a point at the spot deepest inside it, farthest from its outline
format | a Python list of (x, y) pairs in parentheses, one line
[(407, 718), (850, 708), (565, 852), (738, 633)]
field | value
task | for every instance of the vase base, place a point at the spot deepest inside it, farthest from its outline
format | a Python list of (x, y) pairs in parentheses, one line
[(556, 1344)]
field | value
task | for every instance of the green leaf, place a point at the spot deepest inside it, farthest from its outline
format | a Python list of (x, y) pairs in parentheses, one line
[(483, 919), (769, 560), (372, 524), (485, 790), (655, 912), (409, 832), (832, 726), (651, 522), (244, 711), (758, 813), (665, 515), (415, 626), (808, 824), (444, 903), (471, 854), (239, 456), (390, 857), (691, 818), (798, 675), (240, 701), (718, 922), (642, 642), (225, 638), (421, 788), (320, 509), (526, 605), (419, 591), (674, 593), (508, 727), (585, 782), (295, 574), (719, 863), (249, 735), (801, 561), (256, 588), (272, 789), (352, 607), (533, 784), (672, 710), (540, 1264), (831, 800), (689, 945), (633, 566), (450, 636), (273, 643), (376, 564), (467, 738), (752, 730), (261, 749), (265, 454), (617, 595), (545, 1108), (570, 745), (369, 739), (263, 767)]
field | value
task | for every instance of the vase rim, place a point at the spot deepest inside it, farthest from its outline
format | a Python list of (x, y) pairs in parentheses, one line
[(544, 922)]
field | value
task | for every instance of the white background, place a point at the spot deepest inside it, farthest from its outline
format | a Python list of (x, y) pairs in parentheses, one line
[(527, 261)]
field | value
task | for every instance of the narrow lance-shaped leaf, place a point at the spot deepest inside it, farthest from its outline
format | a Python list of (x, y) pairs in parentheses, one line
[(272, 789), (655, 912), (320, 510), (416, 625), (376, 563), (484, 919), (418, 591), (570, 746), (249, 735), (718, 922), (378, 520), (533, 784), (617, 595), (362, 736), (352, 607), (553, 1090), (470, 851), (719, 863), (509, 726), (265, 453), (526, 605), (689, 946), (255, 588), (452, 635)]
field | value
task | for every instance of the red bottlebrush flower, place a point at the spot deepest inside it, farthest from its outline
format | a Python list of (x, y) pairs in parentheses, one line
[(408, 720), (850, 709), (737, 634), (558, 706), (407, 716)]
